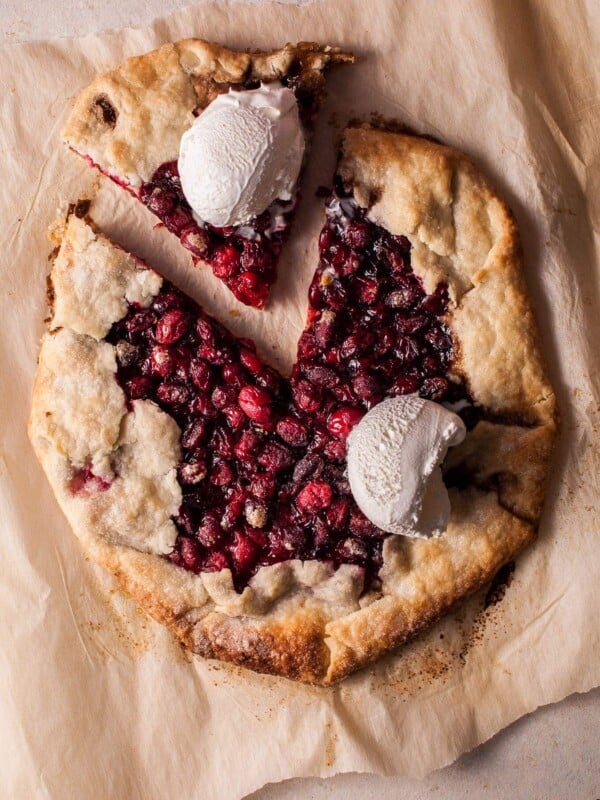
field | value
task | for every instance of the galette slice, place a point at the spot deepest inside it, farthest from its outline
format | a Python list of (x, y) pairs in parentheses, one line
[(129, 123), (217, 491)]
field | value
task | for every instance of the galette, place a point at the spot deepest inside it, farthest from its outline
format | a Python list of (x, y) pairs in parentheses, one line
[(218, 492)]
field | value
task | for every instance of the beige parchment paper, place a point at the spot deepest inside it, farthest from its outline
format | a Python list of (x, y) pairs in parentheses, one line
[(96, 700)]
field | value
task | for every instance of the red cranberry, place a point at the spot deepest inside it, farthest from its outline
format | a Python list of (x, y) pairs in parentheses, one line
[(287, 541), (407, 384), (222, 443), (251, 361), (215, 562), (247, 446), (196, 241), (209, 531), (310, 466), (191, 554), (139, 322), (201, 374), (275, 457), (324, 329), (244, 552), (292, 431), (172, 326), (138, 388), (352, 551), (341, 421), (407, 350), (256, 403), (314, 496), (365, 385), (434, 388), (225, 261), (172, 394), (263, 486), (306, 396), (235, 417), (410, 323), (205, 331), (222, 474), (337, 513), (335, 450), (223, 396), (367, 290), (357, 343), (200, 405), (250, 288), (194, 434), (192, 473), (356, 235), (162, 361), (234, 374)]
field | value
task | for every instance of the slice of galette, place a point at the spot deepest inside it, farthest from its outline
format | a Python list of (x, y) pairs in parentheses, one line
[(233, 203), (217, 492)]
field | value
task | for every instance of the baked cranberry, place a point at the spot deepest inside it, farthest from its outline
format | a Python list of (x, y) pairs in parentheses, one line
[(365, 385), (341, 421), (225, 261), (275, 457), (191, 555), (222, 474), (337, 513), (244, 552), (172, 326), (162, 361), (201, 374), (352, 551), (235, 417), (287, 541), (209, 531), (250, 288), (314, 496), (192, 473), (357, 235), (263, 486), (256, 403), (434, 388), (194, 434), (139, 388), (406, 384), (306, 396), (215, 562), (251, 361), (172, 394), (247, 446), (196, 241), (324, 329), (292, 431)]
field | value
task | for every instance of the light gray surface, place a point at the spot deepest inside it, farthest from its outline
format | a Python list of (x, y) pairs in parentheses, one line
[(553, 754)]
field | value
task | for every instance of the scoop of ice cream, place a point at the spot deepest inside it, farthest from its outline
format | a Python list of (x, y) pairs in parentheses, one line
[(243, 152), (394, 457)]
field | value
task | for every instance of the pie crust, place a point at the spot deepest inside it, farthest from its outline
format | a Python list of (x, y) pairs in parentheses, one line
[(305, 620)]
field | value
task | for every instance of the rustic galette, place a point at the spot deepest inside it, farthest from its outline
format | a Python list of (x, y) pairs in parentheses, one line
[(216, 491)]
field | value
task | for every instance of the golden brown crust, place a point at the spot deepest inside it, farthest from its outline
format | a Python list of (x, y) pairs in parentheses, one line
[(302, 621), (130, 121)]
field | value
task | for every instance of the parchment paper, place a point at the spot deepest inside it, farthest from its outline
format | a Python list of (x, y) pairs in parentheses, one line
[(97, 701)]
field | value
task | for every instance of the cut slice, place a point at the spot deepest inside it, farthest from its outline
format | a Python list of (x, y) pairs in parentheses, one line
[(215, 490), (129, 123)]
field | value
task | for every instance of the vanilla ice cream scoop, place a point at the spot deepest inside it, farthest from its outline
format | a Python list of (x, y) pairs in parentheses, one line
[(243, 152), (394, 457)]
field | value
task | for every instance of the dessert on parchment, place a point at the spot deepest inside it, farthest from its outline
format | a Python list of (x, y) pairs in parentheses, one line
[(306, 526), (212, 141)]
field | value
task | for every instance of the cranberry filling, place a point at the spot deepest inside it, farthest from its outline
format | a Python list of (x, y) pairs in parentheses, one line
[(244, 257), (263, 470)]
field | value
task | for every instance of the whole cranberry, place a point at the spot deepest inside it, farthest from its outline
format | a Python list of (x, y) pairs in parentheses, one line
[(244, 552), (314, 496), (191, 555), (292, 431), (341, 421), (256, 403), (225, 261), (172, 326)]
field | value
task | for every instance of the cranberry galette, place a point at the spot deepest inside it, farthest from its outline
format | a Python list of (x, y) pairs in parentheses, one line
[(129, 124), (216, 490)]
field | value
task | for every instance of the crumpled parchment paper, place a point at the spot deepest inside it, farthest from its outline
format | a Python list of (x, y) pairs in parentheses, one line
[(97, 701)]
